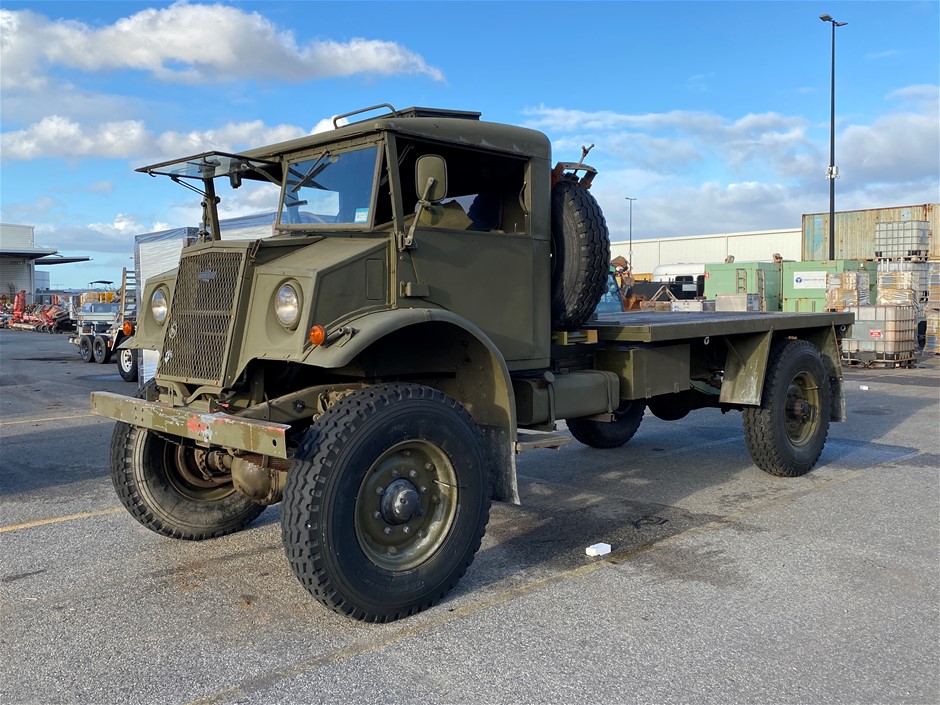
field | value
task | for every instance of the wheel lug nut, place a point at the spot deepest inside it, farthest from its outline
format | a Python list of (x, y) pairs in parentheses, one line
[(436, 499), (413, 474), (388, 530), (422, 533), (406, 529), (407, 453), (429, 466), (392, 550), (376, 515), (380, 491), (423, 489), (395, 473)]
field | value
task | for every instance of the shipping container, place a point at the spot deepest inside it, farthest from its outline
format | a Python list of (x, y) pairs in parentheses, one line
[(855, 230), (761, 278), (804, 283)]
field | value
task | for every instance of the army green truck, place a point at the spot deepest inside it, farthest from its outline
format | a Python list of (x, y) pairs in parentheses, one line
[(423, 311)]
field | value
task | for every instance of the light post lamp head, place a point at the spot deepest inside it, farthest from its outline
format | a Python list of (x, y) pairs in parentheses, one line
[(825, 18)]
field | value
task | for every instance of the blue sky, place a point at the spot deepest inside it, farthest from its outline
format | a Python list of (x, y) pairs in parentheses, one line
[(713, 115)]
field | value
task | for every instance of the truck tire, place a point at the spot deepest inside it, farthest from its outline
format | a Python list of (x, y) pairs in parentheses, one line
[(85, 348), (785, 435), (101, 350), (156, 481), (580, 255), (609, 434), (387, 501), (127, 365)]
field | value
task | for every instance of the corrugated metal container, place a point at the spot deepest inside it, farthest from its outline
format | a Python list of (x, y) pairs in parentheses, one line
[(761, 278), (804, 283), (855, 230)]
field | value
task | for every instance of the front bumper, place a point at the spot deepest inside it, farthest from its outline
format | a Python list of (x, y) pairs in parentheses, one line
[(218, 429)]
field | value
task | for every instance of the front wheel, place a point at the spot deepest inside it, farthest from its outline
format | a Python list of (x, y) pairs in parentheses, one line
[(387, 501), (171, 489), (785, 435), (612, 434), (127, 365)]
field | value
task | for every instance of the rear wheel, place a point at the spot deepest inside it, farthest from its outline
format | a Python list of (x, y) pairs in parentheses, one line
[(387, 501), (85, 348), (612, 434), (101, 350), (786, 434)]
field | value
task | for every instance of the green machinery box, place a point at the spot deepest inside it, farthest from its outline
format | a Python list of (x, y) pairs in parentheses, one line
[(761, 278), (804, 283)]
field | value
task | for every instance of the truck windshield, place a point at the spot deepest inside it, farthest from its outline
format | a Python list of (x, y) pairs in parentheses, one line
[(333, 188)]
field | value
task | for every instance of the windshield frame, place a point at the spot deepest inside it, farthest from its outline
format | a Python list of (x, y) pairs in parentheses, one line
[(322, 153)]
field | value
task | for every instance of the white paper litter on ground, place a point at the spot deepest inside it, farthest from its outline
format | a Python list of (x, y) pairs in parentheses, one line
[(598, 549)]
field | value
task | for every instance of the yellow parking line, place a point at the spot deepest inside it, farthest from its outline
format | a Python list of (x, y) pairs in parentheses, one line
[(59, 520)]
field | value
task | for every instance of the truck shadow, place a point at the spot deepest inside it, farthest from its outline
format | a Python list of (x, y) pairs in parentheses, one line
[(667, 480)]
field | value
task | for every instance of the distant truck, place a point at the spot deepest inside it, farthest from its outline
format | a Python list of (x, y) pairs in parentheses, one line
[(101, 327), (423, 312)]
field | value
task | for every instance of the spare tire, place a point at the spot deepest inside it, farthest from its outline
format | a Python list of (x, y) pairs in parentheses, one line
[(580, 255)]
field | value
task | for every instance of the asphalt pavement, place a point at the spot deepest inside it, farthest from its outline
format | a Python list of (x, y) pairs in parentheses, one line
[(725, 584)]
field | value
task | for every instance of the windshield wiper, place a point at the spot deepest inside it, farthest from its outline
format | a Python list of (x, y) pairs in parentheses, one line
[(313, 171)]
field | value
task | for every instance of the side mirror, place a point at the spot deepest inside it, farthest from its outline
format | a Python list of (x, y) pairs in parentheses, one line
[(431, 178)]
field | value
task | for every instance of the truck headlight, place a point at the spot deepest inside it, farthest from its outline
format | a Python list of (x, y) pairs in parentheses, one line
[(287, 306), (158, 306)]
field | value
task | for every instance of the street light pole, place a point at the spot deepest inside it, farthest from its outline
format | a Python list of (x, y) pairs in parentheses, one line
[(630, 250), (833, 173)]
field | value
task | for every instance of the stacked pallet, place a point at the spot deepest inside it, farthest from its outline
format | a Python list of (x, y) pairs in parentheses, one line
[(846, 289), (882, 336), (932, 310)]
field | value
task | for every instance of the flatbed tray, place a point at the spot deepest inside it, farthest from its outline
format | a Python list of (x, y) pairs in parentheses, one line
[(663, 326)]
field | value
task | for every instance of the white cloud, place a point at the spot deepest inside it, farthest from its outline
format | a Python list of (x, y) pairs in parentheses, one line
[(903, 147), (227, 138), (696, 173), (56, 136), (190, 43)]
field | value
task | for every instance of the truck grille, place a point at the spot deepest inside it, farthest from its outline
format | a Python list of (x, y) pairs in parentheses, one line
[(195, 345)]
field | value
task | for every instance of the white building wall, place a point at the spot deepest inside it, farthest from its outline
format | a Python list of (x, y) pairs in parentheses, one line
[(16, 237), (700, 249), (15, 275)]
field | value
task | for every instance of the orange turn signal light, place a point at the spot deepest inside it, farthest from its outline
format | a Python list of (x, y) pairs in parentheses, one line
[(317, 335), (128, 328)]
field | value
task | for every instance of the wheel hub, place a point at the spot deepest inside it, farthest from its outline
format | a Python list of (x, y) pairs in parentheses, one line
[(406, 505), (401, 502)]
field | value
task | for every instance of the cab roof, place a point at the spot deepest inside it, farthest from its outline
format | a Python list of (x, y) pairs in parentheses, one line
[(456, 127)]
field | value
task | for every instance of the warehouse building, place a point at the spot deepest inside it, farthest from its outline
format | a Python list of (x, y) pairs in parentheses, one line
[(19, 256), (855, 238)]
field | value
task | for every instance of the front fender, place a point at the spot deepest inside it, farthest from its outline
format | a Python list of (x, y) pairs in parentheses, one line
[(447, 352)]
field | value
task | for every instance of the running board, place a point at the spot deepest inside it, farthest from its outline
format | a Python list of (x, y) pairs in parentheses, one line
[(529, 440)]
